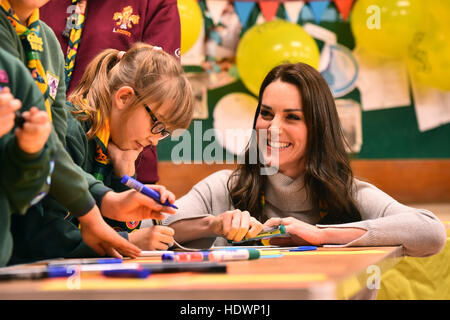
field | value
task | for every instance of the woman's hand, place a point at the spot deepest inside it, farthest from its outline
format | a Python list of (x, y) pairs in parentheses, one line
[(153, 238), (300, 233), (235, 225), (122, 160)]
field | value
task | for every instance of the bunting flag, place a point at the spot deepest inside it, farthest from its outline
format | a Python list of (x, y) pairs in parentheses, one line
[(293, 9), (344, 7), (243, 10), (269, 9), (215, 8), (318, 8)]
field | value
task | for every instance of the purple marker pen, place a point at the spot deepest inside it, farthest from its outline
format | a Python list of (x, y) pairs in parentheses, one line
[(139, 187)]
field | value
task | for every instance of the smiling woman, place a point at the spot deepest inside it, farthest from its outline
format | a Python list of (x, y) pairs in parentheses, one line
[(313, 193)]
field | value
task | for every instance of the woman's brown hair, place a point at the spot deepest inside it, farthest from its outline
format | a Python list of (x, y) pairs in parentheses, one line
[(328, 175), (155, 75)]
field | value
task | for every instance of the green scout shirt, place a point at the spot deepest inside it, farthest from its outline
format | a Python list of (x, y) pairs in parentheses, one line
[(23, 176), (56, 233), (52, 60)]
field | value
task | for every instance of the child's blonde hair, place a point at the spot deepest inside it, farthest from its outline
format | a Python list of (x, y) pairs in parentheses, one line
[(156, 77)]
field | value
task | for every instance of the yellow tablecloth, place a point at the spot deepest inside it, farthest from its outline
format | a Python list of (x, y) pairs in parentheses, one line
[(419, 278)]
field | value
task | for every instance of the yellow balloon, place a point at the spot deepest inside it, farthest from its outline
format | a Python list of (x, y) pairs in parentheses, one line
[(191, 21), (272, 43), (386, 27), (429, 53)]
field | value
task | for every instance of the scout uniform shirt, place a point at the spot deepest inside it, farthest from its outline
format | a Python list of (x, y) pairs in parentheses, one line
[(23, 177)]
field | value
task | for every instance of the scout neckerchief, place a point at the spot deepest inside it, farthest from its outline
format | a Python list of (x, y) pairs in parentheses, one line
[(73, 31), (33, 46), (102, 164)]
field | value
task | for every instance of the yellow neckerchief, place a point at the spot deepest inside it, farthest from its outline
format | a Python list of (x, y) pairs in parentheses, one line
[(102, 163), (33, 46)]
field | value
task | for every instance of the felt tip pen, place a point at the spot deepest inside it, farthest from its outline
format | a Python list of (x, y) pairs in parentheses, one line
[(185, 256), (127, 273), (264, 234), (139, 187), (215, 256), (68, 270), (69, 262), (233, 255)]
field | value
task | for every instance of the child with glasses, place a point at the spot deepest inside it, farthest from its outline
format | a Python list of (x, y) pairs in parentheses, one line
[(29, 150), (33, 43), (125, 102)]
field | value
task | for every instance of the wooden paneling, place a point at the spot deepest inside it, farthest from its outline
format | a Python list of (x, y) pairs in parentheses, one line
[(407, 181)]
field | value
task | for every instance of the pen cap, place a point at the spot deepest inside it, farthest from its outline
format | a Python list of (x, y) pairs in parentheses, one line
[(132, 183), (253, 254)]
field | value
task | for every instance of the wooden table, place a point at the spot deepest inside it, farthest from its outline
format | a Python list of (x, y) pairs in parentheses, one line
[(328, 273)]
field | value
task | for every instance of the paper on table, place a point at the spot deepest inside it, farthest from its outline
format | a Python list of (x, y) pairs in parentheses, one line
[(383, 83), (432, 106)]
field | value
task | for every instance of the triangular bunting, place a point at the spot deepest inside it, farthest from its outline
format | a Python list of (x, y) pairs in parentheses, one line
[(243, 10), (318, 9), (344, 7), (293, 9), (269, 9), (215, 8)]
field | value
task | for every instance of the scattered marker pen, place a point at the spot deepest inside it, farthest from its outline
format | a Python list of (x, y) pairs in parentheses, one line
[(216, 256)]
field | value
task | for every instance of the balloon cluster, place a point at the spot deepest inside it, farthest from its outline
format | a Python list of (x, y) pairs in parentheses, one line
[(416, 30)]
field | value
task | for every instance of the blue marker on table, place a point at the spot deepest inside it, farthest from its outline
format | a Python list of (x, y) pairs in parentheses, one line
[(139, 187)]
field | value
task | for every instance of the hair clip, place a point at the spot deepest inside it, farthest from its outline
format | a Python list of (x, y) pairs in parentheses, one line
[(157, 48), (120, 54)]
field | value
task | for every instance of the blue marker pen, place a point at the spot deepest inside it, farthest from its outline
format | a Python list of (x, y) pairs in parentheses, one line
[(136, 185)]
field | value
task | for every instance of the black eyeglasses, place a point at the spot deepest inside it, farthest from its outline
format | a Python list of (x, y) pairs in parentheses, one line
[(158, 127)]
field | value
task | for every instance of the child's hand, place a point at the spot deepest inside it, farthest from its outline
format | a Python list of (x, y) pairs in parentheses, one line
[(32, 137), (8, 105), (122, 160), (133, 206), (153, 238), (102, 238), (235, 225)]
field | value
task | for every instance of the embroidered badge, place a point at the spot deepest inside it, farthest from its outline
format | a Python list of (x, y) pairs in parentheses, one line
[(132, 224), (4, 77), (125, 20), (53, 82), (35, 42)]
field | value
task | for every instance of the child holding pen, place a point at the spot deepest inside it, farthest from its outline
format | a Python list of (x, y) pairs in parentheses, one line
[(24, 36), (124, 102), (311, 189), (26, 158)]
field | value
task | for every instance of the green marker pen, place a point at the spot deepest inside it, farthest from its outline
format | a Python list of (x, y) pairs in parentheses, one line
[(266, 233)]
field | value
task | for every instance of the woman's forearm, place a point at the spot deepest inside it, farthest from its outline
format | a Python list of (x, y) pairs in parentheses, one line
[(192, 229), (340, 235)]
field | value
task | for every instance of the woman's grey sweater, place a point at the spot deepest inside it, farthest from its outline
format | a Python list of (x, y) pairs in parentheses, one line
[(387, 221)]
